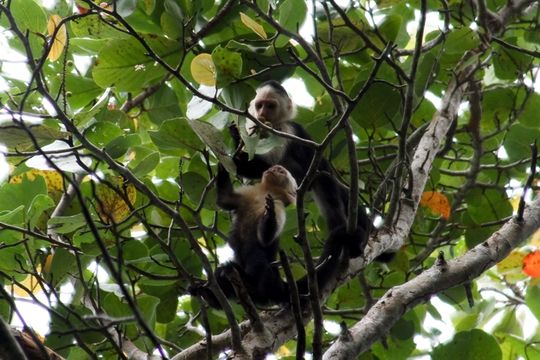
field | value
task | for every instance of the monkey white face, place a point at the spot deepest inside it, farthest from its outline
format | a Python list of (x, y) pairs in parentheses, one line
[(269, 106), (280, 182)]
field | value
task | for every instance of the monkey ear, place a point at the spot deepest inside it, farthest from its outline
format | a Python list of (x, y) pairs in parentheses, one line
[(291, 109)]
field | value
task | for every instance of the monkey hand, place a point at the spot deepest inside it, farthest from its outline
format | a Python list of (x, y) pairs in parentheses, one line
[(269, 207), (235, 134)]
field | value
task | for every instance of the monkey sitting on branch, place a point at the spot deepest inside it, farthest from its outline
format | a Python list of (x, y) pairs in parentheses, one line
[(258, 220)]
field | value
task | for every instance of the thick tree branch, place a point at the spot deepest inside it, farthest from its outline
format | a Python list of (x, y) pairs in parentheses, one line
[(389, 309)]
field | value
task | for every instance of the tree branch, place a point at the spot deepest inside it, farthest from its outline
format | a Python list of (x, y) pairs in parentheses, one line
[(389, 309)]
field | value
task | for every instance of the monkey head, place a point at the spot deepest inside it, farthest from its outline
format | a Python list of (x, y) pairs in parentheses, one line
[(271, 105), (280, 183)]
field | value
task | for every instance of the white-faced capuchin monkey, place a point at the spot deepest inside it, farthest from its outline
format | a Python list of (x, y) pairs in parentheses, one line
[(272, 105), (258, 220)]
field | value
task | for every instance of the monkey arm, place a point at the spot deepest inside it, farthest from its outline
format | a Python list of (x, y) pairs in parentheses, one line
[(267, 229), (227, 198)]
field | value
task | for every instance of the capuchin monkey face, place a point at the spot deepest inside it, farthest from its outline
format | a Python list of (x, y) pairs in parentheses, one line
[(279, 180), (268, 106)]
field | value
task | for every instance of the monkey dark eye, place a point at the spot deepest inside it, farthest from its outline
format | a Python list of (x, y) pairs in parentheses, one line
[(258, 106), (271, 106)]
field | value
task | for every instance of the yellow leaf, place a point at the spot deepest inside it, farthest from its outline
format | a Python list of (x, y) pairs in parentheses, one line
[(29, 283), (253, 26), (112, 207), (48, 263), (535, 239), (437, 202), (203, 70), (59, 41), (53, 179), (511, 267), (284, 351), (512, 263)]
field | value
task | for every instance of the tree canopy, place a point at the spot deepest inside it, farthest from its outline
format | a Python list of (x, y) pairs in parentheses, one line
[(114, 116)]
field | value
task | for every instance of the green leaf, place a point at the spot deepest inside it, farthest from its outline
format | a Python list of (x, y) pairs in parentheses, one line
[(509, 64), (228, 65), (122, 144), (292, 14), (16, 137), (193, 185), (163, 105), (517, 141), (28, 15), (13, 196), (532, 298), (213, 138), (67, 224), (175, 134), (147, 164), (469, 345), (37, 208), (103, 132), (486, 205), (380, 103), (529, 116), (390, 27), (124, 63), (82, 91), (461, 40), (95, 28)]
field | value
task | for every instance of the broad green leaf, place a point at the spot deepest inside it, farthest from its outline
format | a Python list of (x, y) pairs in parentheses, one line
[(529, 116), (22, 194), (488, 205), (67, 224), (124, 63), (169, 25), (509, 64), (37, 209), (176, 134), (103, 132), (228, 65), (380, 103), (292, 14), (119, 146), (16, 137), (82, 91), (390, 27), (533, 35), (193, 185), (147, 164), (514, 347), (28, 15), (460, 40), (469, 345), (163, 105), (517, 141), (95, 28), (532, 298), (213, 138)]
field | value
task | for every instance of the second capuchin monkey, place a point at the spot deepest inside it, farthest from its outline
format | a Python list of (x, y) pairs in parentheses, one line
[(258, 220), (273, 106)]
